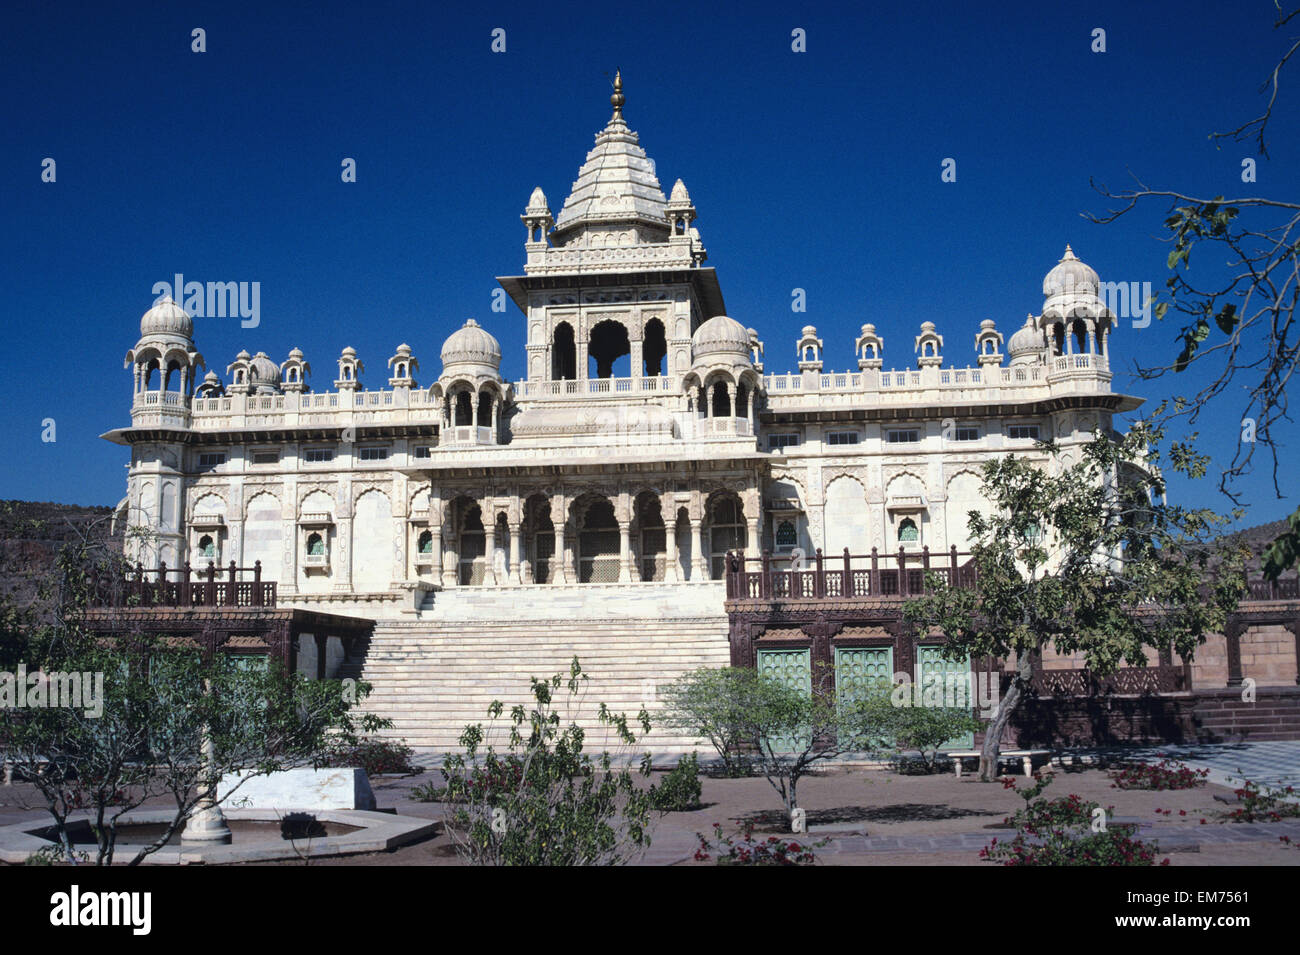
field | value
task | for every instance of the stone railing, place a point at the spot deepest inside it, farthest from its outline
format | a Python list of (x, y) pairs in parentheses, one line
[(396, 406), (598, 387)]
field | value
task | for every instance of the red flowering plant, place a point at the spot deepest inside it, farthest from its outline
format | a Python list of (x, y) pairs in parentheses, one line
[(1066, 831), (1164, 775), (744, 849), (1261, 803)]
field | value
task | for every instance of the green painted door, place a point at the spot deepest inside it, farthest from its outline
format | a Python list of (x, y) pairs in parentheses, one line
[(858, 668), (792, 668), (950, 680)]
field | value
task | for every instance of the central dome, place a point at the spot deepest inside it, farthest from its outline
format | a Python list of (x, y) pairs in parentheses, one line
[(1070, 275), (721, 335), (167, 318), (472, 345)]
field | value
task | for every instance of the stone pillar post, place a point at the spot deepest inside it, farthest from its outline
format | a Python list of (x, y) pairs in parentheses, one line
[(672, 565), (751, 537), (514, 573), (570, 571), (624, 552), (451, 566), (490, 553), (435, 568), (699, 563)]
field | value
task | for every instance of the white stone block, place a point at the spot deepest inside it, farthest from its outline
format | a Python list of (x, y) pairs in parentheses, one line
[(302, 788)]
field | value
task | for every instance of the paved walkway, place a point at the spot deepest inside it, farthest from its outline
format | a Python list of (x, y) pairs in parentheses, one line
[(1275, 763)]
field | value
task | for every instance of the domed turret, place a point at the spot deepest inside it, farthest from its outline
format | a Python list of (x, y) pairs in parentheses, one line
[(721, 335), (1026, 345), (263, 375), (166, 318), (1071, 276), (471, 345)]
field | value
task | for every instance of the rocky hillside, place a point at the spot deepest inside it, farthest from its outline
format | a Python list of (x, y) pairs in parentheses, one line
[(31, 534)]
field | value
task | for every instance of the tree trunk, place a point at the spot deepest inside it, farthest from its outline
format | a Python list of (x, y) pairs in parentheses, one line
[(1007, 706)]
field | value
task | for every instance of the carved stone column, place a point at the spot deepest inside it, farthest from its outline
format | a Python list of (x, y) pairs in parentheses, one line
[(435, 532), (751, 537), (672, 563), (624, 552), (513, 571), (490, 553), (699, 563)]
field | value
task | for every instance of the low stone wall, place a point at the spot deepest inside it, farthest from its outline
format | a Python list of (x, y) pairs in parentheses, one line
[(1213, 715)]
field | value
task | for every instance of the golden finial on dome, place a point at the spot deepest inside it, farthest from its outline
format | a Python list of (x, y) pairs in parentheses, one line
[(618, 99)]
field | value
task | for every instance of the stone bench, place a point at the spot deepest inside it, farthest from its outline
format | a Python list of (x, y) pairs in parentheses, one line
[(1026, 757)]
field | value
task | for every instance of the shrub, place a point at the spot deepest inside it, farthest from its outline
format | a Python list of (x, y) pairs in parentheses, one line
[(1058, 832), (680, 789), (745, 850), (1166, 774), (927, 728), (1260, 803), (542, 800), (376, 756)]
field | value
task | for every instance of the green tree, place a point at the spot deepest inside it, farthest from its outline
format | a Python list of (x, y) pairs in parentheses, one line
[(710, 703), (1084, 557), (541, 800), (1237, 313)]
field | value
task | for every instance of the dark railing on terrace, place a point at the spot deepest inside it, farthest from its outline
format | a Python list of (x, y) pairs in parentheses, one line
[(187, 587), (1288, 588), (898, 574)]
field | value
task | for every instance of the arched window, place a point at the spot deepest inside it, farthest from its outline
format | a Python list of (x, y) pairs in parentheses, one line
[(485, 409), (654, 348), (464, 409), (564, 361), (425, 542), (721, 405), (727, 531), (609, 343), (907, 531), (207, 547), (315, 545), (786, 536)]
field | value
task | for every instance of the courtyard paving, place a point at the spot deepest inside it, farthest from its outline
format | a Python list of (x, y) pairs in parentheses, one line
[(877, 817)]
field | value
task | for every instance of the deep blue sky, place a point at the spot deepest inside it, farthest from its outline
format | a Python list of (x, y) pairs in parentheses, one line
[(818, 170)]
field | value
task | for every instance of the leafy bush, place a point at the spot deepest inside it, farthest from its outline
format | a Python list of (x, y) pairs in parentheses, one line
[(744, 850), (927, 728), (711, 703), (1166, 774), (1058, 832), (680, 789), (376, 756), (1260, 803), (543, 801)]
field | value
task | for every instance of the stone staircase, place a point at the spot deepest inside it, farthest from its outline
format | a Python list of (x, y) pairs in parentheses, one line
[(466, 647)]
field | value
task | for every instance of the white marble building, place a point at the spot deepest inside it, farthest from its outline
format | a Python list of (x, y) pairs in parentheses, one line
[(647, 439)]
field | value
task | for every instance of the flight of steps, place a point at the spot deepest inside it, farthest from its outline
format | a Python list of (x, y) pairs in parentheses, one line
[(435, 674)]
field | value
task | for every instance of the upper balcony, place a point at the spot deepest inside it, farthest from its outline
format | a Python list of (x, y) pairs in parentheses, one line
[(398, 406)]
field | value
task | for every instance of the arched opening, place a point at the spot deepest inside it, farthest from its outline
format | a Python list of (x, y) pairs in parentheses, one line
[(1058, 339), (148, 374), (207, 546), (539, 537), (654, 348), (464, 409), (727, 531), (720, 406), (608, 344), (908, 532), (485, 409), (424, 543), (598, 544), (651, 536), (742, 398), (564, 354), (786, 535), (173, 379), (315, 545), (471, 547), (1080, 332)]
